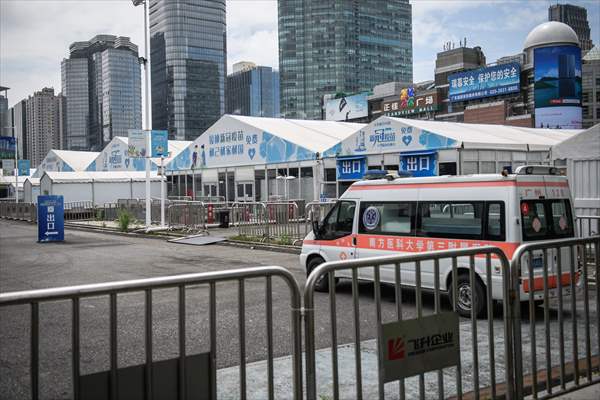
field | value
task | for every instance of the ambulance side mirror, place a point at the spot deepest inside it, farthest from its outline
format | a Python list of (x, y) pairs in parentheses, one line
[(314, 219)]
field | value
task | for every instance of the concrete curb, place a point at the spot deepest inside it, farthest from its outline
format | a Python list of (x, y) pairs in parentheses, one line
[(118, 233), (261, 246)]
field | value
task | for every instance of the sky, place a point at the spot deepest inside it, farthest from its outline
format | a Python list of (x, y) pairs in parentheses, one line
[(35, 34)]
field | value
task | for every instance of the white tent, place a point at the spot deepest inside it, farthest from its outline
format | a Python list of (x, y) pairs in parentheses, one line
[(31, 190), (114, 156), (98, 187), (581, 155), (65, 161)]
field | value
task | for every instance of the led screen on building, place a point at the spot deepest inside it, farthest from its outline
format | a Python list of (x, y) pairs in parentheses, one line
[(557, 90), (484, 82), (347, 108), (411, 103)]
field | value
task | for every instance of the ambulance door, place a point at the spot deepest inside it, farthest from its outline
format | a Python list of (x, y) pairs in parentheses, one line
[(336, 233)]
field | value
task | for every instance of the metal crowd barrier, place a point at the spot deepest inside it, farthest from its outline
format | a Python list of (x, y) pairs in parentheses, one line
[(75, 294), (498, 352), (569, 356), (18, 211), (268, 220), (188, 215), (79, 210), (588, 225)]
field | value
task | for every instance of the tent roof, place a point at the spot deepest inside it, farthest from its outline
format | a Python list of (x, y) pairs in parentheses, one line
[(98, 176), (312, 135), (175, 147), (486, 135), (584, 145), (78, 160)]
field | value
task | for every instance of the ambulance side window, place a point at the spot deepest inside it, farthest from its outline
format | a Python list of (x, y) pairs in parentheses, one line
[(339, 221), (495, 221)]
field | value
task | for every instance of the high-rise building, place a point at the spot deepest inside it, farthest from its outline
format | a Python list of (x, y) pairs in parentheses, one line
[(101, 85), (330, 46), (18, 114), (576, 18), (188, 64), (5, 129), (252, 90), (590, 85), (42, 124)]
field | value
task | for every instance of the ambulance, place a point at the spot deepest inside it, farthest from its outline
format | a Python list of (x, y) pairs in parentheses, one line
[(394, 215)]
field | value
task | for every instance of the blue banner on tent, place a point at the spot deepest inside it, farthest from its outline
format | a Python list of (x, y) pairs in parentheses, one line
[(159, 141), (51, 219), (24, 166), (418, 163)]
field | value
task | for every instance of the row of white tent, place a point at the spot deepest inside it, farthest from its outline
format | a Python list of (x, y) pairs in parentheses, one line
[(240, 142)]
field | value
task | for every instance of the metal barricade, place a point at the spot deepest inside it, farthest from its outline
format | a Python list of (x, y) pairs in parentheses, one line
[(18, 211), (112, 290), (588, 225), (482, 357), (187, 215), (250, 219), (283, 221), (562, 275), (79, 210)]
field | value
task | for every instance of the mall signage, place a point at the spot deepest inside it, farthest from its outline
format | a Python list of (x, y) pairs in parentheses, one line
[(409, 103)]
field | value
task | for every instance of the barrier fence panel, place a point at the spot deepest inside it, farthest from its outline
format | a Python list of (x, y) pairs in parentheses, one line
[(483, 362), (80, 210), (250, 219), (18, 211), (588, 225), (77, 298), (563, 336), (283, 221), (187, 215)]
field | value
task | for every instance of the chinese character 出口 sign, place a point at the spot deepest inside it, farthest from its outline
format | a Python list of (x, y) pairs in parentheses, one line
[(51, 226), (352, 168)]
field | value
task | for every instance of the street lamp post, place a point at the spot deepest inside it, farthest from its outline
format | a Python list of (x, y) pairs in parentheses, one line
[(148, 123)]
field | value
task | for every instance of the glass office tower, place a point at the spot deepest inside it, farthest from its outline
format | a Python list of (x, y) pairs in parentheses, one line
[(253, 91), (330, 46), (188, 63), (101, 84)]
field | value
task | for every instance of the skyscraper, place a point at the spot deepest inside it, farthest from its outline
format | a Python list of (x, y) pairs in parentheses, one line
[(188, 64), (252, 90), (18, 114), (330, 46), (42, 124), (576, 18), (101, 82)]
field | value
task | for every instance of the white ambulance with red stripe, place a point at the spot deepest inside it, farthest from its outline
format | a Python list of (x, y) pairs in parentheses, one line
[(408, 215)]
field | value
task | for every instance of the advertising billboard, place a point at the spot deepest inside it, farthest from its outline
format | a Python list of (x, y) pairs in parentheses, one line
[(24, 167), (557, 88), (484, 82), (411, 103), (7, 147), (8, 166), (347, 108)]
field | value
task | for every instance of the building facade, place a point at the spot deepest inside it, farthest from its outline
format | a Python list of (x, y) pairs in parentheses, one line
[(42, 125), (4, 117), (101, 85), (253, 91), (188, 62), (591, 88), (328, 46), (576, 18), (18, 114)]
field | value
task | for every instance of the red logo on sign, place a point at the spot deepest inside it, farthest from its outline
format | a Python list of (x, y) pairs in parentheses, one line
[(525, 209), (396, 349)]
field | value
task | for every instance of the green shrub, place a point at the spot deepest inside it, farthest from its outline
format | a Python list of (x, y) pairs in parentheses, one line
[(124, 218)]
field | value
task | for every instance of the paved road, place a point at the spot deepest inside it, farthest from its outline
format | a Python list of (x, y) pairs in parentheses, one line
[(89, 257)]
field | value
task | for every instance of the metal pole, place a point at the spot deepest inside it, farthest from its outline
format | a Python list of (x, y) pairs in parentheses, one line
[(147, 114), (16, 167), (162, 192)]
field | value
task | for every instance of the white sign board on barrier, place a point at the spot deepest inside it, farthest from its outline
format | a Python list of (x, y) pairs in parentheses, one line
[(415, 346)]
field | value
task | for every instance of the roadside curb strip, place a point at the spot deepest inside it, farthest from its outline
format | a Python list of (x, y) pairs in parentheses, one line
[(261, 246), (118, 233)]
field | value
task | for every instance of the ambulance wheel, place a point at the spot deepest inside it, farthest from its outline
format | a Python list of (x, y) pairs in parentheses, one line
[(322, 284), (465, 298)]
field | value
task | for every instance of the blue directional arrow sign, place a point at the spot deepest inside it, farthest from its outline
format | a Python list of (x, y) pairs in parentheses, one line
[(51, 219)]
